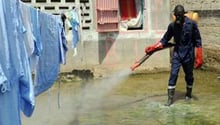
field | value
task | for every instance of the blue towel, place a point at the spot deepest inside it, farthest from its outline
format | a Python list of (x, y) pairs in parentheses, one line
[(49, 60)]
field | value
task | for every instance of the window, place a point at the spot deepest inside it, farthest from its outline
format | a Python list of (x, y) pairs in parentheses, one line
[(119, 15)]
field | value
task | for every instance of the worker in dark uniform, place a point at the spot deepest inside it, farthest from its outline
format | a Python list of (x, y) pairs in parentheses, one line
[(187, 50)]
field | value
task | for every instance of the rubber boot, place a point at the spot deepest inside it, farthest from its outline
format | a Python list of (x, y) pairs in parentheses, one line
[(188, 93), (170, 97)]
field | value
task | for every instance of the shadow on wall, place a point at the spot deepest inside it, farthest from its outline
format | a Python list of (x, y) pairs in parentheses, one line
[(107, 47)]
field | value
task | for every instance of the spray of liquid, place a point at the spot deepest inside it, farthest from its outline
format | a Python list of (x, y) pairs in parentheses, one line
[(91, 95)]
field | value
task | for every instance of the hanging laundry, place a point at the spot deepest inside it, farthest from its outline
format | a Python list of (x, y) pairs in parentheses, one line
[(27, 48), (49, 61), (49, 41), (25, 32), (29, 18), (36, 31), (73, 17), (62, 43), (16, 92), (26, 19)]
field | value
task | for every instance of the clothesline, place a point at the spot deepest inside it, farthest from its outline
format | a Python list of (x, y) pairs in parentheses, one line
[(30, 40)]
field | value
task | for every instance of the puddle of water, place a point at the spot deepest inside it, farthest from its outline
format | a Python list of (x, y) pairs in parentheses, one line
[(130, 100)]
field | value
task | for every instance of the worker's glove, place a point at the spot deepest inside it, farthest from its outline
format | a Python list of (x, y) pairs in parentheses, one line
[(198, 58), (150, 49)]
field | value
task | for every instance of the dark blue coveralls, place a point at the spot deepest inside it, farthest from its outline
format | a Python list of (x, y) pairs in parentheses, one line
[(186, 38)]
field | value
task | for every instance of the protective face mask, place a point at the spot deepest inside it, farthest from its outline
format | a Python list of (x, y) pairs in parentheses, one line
[(179, 19)]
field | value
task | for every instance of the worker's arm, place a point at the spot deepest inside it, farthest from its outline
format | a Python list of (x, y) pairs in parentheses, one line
[(198, 46), (162, 43)]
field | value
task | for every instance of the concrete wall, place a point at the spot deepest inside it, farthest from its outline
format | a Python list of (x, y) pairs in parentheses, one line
[(112, 51), (209, 12), (209, 25), (197, 4), (105, 52)]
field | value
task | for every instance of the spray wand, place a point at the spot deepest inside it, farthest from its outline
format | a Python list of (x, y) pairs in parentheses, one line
[(139, 62), (145, 57)]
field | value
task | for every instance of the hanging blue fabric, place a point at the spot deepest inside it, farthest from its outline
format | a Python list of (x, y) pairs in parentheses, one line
[(75, 22), (18, 89), (62, 43), (49, 60), (25, 80), (36, 31), (4, 83), (29, 28), (32, 35), (16, 85)]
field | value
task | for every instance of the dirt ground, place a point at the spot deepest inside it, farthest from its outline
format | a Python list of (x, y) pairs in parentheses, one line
[(127, 98)]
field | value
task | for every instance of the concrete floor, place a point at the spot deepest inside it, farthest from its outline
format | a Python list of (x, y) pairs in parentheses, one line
[(129, 99)]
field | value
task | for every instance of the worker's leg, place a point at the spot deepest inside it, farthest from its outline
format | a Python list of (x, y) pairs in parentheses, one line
[(175, 66), (188, 70)]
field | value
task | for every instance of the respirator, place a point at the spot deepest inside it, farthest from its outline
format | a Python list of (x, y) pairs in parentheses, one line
[(179, 14)]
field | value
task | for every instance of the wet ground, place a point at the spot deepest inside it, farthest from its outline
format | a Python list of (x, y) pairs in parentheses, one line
[(129, 99)]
